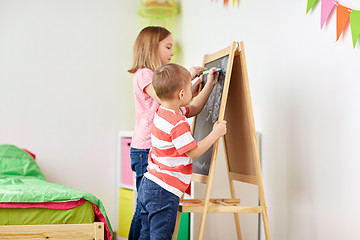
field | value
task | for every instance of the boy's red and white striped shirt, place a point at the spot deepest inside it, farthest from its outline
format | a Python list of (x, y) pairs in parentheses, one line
[(171, 138)]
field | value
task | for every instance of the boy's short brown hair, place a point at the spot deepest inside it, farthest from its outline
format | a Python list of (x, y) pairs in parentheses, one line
[(168, 79)]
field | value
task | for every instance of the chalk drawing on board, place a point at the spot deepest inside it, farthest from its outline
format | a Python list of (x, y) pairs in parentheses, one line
[(209, 115)]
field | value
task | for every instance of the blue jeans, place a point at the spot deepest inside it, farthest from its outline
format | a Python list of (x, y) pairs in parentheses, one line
[(158, 211), (139, 162)]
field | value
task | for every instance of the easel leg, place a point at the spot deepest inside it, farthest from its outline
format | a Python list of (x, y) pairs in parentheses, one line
[(202, 224), (266, 224), (208, 190), (236, 215), (177, 224), (232, 191), (237, 224)]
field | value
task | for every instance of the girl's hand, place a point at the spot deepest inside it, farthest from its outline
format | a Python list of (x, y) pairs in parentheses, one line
[(196, 72), (212, 77), (195, 87)]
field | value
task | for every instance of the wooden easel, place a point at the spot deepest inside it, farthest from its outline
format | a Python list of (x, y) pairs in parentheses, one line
[(240, 144)]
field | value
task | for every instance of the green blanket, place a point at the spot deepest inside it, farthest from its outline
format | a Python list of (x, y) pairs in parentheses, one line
[(21, 180), (83, 213)]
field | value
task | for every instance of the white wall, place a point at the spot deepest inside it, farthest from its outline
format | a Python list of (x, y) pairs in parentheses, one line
[(65, 93), (64, 89), (305, 97)]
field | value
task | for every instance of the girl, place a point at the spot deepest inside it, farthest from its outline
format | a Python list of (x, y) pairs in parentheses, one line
[(152, 49)]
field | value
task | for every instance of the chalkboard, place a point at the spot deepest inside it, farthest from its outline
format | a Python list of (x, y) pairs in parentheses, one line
[(230, 100), (205, 120)]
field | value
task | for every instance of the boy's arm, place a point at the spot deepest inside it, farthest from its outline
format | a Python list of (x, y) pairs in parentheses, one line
[(219, 130), (199, 101)]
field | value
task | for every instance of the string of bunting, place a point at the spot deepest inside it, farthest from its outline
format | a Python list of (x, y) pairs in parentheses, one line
[(226, 2), (343, 14)]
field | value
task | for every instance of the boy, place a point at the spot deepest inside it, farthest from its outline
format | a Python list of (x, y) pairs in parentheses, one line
[(173, 147)]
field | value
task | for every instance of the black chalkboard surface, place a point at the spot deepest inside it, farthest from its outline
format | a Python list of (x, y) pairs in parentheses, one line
[(209, 115)]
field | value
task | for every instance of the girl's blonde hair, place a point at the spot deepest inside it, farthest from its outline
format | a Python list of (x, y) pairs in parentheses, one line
[(146, 48)]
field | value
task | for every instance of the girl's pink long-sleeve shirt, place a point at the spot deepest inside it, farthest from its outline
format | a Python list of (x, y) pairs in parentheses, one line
[(145, 108)]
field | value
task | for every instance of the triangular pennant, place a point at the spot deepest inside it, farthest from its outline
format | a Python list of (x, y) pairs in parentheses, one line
[(342, 16), (355, 25), (233, 3), (310, 4), (326, 7)]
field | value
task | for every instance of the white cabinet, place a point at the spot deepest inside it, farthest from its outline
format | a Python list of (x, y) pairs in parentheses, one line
[(125, 187)]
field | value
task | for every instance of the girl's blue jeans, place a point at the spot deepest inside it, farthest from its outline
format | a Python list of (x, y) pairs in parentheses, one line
[(158, 211), (139, 162)]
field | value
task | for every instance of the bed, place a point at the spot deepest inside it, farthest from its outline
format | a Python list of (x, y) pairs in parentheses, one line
[(32, 208)]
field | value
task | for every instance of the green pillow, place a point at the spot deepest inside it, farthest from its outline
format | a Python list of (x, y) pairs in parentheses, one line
[(16, 162)]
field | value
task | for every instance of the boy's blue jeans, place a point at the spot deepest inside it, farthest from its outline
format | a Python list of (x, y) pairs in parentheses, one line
[(139, 162), (158, 211)]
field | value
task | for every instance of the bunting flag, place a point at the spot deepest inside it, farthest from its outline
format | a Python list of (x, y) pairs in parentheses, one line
[(310, 4), (343, 14), (342, 17), (355, 25), (326, 8)]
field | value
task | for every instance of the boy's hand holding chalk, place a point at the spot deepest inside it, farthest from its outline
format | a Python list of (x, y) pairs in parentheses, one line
[(212, 77), (207, 71)]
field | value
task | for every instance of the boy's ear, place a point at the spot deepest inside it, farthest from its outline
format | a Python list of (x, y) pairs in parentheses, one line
[(181, 94)]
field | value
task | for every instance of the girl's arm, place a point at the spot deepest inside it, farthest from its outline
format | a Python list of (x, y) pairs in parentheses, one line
[(195, 87), (219, 130), (199, 101), (196, 72), (149, 89)]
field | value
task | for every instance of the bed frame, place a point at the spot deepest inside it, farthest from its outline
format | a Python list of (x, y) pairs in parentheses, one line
[(91, 231)]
